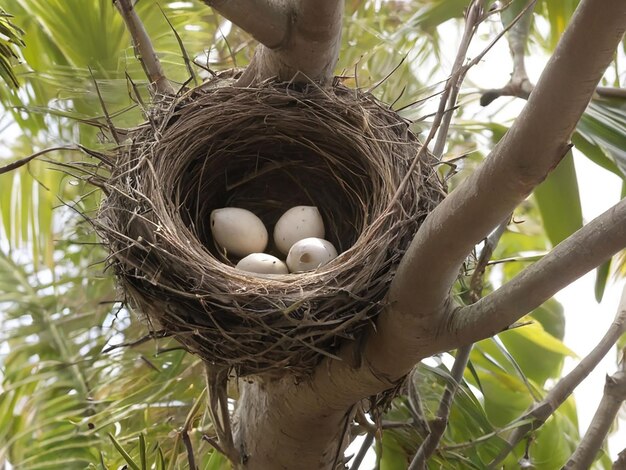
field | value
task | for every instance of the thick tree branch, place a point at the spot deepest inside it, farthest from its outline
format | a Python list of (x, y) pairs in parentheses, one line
[(614, 396), (583, 251), (534, 145), (143, 48), (266, 20), (302, 40), (541, 411)]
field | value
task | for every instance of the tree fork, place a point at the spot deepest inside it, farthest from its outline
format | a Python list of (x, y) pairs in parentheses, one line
[(306, 418)]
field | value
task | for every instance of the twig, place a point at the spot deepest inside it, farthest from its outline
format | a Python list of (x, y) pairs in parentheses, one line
[(367, 443), (189, 447), (620, 463), (519, 85), (217, 382), (491, 242), (614, 396), (23, 161), (187, 426), (107, 116), (541, 411), (438, 426), (472, 19), (415, 407), (144, 50)]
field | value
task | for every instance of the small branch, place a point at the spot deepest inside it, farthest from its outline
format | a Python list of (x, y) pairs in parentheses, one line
[(541, 411), (438, 426), (217, 382), (431, 442), (24, 161), (266, 20), (581, 252), (614, 396), (144, 50), (519, 85), (473, 17), (367, 443), (620, 463), (491, 242), (610, 92)]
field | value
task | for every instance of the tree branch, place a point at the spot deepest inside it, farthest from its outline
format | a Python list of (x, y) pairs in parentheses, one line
[(541, 411), (533, 146), (266, 20), (283, 413), (620, 463), (583, 251), (300, 44), (614, 396), (143, 48), (437, 428)]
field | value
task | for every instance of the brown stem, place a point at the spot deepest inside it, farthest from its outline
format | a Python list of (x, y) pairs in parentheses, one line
[(614, 396), (541, 411), (437, 428), (143, 49)]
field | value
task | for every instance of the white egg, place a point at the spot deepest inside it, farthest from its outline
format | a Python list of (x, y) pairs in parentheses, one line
[(310, 253), (262, 263), (297, 223), (238, 231)]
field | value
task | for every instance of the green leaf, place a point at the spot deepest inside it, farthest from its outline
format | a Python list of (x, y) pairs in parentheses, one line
[(123, 453), (559, 201), (602, 276)]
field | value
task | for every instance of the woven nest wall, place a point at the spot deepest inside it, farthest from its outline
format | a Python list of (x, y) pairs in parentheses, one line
[(265, 149)]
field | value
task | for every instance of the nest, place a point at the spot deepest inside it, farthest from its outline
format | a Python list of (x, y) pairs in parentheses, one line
[(266, 148)]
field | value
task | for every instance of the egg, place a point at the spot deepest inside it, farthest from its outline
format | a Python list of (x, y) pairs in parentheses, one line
[(297, 223), (238, 231), (310, 253), (262, 263)]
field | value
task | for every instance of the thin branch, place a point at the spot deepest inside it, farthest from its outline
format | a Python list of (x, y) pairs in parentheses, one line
[(491, 242), (217, 382), (438, 426), (24, 161), (542, 410), (266, 20), (519, 85), (584, 250), (473, 17), (620, 463), (144, 50), (614, 396), (610, 92), (365, 446)]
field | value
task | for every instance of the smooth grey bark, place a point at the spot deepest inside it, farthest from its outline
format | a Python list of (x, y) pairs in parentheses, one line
[(301, 42)]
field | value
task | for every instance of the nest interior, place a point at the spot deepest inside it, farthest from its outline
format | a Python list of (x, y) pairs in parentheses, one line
[(266, 149)]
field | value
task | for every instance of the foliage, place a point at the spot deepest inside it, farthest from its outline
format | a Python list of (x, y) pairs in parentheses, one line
[(68, 399)]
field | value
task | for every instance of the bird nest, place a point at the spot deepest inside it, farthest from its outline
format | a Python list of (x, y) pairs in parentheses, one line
[(266, 149)]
